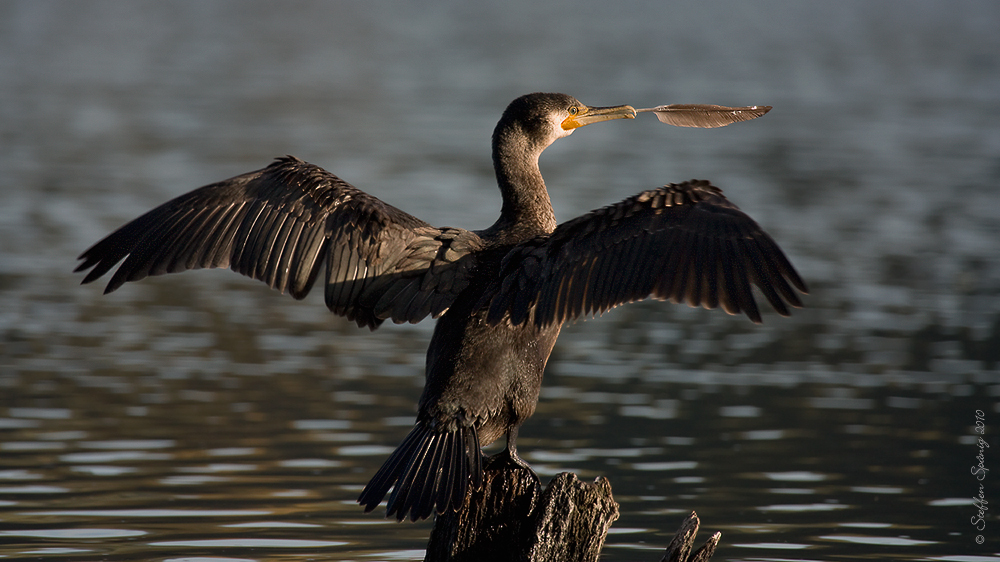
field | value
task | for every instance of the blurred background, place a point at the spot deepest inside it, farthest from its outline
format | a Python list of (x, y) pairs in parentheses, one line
[(204, 417)]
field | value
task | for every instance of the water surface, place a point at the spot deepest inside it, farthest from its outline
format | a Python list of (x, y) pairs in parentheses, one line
[(204, 417)]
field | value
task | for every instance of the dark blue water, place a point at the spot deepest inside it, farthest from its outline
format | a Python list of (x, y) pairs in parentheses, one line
[(204, 417)]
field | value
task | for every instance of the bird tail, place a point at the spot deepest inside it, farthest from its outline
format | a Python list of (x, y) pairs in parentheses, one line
[(430, 469)]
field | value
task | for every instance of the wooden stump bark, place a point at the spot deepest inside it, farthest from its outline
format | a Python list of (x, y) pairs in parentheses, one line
[(511, 520), (493, 525), (679, 549)]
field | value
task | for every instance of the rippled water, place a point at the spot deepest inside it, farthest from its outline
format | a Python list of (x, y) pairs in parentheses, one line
[(203, 417)]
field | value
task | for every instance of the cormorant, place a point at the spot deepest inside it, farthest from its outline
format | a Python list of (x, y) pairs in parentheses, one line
[(500, 294)]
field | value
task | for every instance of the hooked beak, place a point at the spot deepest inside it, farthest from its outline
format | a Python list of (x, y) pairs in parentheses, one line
[(587, 115)]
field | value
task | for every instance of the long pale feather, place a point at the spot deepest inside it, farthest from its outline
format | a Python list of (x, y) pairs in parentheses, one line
[(704, 116)]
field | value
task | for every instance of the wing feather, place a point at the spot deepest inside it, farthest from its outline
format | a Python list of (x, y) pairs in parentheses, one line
[(209, 230), (683, 242), (216, 250), (279, 225)]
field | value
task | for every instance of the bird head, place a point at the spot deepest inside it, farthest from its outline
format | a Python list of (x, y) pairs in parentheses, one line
[(543, 118)]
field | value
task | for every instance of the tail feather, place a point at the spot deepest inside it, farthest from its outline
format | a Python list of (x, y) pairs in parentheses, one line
[(405, 497), (476, 456), (430, 484), (447, 480), (386, 476), (429, 471)]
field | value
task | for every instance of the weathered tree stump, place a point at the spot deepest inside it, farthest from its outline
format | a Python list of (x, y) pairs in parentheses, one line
[(573, 519), (496, 520), (510, 520), (679, 549)]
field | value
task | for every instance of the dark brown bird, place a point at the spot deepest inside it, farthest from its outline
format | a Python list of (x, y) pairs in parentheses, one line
[(500, 294)]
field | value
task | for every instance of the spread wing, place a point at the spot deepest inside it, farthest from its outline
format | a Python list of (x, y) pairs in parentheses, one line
[(684, 242), (279, 225)]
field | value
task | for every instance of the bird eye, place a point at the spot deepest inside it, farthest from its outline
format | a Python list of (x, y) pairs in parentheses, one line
[(574, 110)]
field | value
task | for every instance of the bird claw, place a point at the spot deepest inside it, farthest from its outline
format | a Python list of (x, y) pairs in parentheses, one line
[(509, 460)]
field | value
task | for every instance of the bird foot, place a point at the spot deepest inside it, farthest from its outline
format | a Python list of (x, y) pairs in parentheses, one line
[(511, 476), (509, 460)]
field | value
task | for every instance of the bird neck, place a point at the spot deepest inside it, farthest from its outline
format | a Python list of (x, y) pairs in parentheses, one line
[(527, 210)]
